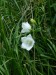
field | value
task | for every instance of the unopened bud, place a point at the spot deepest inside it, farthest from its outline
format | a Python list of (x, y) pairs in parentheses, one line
[(32, 21)]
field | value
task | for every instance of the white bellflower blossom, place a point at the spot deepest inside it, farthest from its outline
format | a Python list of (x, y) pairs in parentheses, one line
[(27, 42), (25, 27)]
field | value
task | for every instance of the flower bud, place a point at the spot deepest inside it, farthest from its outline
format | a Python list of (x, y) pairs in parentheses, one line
[(32, 21)]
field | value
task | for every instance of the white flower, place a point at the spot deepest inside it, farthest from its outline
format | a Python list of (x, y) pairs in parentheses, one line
[(27, 42), (25, 27)]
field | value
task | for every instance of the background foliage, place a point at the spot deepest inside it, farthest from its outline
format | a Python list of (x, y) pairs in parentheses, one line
[(41, 60)]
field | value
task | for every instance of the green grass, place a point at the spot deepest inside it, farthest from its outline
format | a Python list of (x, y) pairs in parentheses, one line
[(41, 59)]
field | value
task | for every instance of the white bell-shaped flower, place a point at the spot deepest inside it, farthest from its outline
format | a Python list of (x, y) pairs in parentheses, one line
[(27, 42), (25, 27)]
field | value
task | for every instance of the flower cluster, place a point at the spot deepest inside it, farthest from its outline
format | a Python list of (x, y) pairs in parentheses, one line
[(27, 41)]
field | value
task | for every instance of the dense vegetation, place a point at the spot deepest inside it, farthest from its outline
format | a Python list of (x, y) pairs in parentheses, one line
[(41, 59)]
